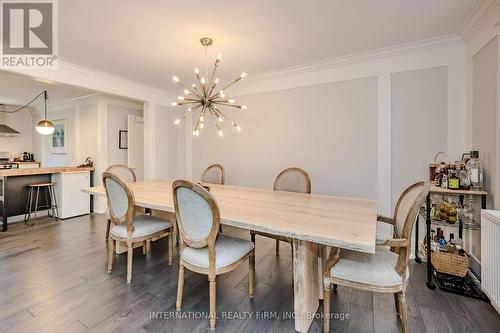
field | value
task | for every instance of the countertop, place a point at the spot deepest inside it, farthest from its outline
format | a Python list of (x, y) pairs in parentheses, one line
[(42, 171)]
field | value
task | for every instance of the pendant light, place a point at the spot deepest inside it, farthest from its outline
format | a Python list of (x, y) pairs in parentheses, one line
[(45, 126)]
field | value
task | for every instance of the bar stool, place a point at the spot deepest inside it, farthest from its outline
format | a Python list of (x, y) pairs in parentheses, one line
[(50, 198)]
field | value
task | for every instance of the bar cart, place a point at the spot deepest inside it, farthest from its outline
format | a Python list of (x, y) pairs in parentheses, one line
[(467, 285)]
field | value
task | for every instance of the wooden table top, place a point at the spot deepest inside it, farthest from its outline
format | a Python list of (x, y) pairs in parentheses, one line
[(42, 171), (348, 223)]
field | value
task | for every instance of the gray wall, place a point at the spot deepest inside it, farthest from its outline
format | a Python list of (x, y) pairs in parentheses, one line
[(330, 130), (484, 116), (419, 124)]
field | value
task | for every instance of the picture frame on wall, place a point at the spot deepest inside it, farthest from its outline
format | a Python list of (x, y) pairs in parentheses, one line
[(123, 139), (58, 139)]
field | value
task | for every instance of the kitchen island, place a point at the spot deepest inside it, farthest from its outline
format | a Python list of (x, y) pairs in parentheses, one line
[(14, 188)]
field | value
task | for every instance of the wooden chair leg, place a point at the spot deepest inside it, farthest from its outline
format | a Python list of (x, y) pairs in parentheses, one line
[(180, 288), (213, 302), (144, 247), (130, 254), (148, 245), (108, 227), (251, 274), (170, 248), (403, 312), (252, 236), (396, 302), (326, 308), (111, 250), (277, 247)]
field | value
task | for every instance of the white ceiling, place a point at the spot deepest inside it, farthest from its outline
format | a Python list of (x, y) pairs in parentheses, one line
[(149, 41), (19, 89)]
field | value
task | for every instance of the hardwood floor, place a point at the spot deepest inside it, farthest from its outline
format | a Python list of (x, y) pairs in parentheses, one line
[(53, 278)]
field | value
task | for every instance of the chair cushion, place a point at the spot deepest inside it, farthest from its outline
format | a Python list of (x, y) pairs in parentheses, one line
[(143, 225), (228, 250), (375, 269)]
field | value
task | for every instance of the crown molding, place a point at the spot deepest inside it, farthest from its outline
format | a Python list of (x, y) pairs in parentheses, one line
[(98, 81), (397, 50), (476, 17)]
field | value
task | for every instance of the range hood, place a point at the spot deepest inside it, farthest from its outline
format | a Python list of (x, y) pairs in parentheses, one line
[(4, 129)]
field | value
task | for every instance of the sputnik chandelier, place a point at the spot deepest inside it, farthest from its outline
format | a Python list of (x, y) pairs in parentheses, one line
[(206, 98)]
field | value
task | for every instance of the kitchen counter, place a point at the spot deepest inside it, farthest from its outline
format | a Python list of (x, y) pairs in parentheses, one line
[(14, 184), (42, 171)]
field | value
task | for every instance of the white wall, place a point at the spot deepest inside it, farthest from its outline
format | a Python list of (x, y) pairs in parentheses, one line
[(117, 120), (21, 122), (326, 129), (482, 106), (48, 158), (419, 124)]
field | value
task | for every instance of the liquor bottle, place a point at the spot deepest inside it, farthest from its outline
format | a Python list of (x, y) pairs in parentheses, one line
[(444, 181), (474, 171), (453, 181)]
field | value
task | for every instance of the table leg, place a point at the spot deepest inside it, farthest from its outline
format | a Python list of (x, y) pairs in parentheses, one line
[(305, 276)]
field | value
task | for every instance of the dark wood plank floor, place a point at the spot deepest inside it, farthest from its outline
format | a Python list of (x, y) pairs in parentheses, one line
[(53, 279)]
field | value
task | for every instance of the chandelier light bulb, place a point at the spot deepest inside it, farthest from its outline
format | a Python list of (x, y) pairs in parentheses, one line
[(186, 91), (180, 98), (244, 107), (177, 121), (216, 80), (220, 119), (243, 75), (231, 100), (174, 103), (197, 71), (175, 78), (202, 118), (202, 80), (221, 133), (202, 125), (196, 132), (194, 85), (219, 56), (238, 128)]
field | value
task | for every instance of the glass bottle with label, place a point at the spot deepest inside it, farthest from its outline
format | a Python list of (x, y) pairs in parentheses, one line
[(453, 181), (474, 171)]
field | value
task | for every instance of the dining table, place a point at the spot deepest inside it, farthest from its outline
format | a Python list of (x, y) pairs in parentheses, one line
[(313, 222)]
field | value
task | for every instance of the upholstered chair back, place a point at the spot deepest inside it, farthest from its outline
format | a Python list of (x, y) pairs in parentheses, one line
[(197, 214), (214, 174), (123, 172), (120, 198), (405, 216), (406, 210), (293, 180)]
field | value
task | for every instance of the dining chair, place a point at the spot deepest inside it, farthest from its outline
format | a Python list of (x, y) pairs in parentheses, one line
[(386, 270), (203, 249), (289, 180), (129, 227), (127, 175), (214, 174)]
